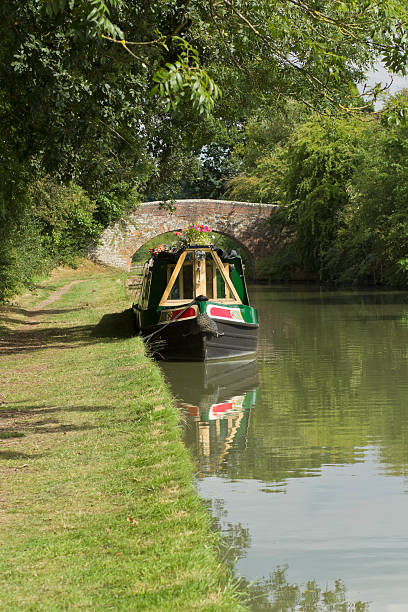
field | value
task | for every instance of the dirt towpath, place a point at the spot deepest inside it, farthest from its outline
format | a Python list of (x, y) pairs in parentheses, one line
[(24, 335)]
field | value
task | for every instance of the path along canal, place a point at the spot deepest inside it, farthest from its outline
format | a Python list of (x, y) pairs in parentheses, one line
[(302, 454)]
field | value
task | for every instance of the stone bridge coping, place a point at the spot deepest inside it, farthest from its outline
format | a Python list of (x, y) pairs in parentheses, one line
[(208, 201)]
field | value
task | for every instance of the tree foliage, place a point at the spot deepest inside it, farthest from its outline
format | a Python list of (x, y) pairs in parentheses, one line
[(185, 77), (311, 47), (119, 97), (343, 190)]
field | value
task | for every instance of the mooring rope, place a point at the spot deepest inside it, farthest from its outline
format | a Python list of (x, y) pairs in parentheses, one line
[(200, 298)]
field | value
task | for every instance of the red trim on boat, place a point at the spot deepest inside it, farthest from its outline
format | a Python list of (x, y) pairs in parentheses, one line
[(169, 315), (233, 314)]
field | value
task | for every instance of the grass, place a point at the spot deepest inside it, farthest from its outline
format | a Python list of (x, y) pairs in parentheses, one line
[(97, 506)]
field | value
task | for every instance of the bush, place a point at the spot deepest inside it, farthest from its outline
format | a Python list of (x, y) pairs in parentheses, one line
[(46, 225), (22, 256)]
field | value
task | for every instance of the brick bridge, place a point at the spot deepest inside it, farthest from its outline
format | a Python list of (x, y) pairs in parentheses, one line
[(243, 221)]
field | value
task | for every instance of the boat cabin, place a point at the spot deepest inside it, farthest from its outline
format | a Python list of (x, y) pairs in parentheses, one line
[(173, 279)]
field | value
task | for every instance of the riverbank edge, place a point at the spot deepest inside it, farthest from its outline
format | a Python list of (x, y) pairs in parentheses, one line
[(97, 512)]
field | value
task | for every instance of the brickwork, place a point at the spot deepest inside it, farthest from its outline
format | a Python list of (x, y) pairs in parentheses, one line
[(244, 221)]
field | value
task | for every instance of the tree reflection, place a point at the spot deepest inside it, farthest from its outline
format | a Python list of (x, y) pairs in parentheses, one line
[(333, 370), (276, 594)]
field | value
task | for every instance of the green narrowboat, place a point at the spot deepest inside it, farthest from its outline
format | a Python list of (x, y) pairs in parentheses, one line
[(193, 305)]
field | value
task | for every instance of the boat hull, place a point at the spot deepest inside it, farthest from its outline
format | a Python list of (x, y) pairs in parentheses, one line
[(180, 341)]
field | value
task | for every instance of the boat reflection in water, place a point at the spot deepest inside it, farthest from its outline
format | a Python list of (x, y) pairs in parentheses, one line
[(216, 399)]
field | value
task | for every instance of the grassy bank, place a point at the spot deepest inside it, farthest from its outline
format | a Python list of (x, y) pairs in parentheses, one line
[(97, 507)]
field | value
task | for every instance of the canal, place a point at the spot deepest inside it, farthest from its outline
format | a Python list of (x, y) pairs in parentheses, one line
[(302, 454)]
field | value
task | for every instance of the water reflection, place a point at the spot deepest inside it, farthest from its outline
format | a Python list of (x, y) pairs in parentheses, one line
[(333, 369), (276, 594), (307, 452), (216, 399)]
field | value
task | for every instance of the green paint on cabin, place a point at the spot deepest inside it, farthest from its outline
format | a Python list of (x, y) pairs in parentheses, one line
[(157, 276)]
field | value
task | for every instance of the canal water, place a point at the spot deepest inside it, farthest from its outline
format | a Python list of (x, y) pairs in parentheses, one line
[(302, 454)]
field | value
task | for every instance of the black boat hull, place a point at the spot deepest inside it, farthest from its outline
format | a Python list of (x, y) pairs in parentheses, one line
[(181, 342)]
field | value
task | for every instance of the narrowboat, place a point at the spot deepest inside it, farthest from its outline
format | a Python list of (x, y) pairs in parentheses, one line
[(194, 306)]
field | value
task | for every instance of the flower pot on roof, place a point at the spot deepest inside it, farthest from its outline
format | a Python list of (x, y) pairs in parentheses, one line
[(195, 234)]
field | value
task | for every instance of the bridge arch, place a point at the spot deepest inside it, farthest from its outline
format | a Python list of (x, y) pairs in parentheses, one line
[(243, 221), (220, 240)]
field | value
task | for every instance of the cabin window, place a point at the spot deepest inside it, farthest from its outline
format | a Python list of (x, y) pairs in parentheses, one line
[(220, 285), (215, 286), (183, 285), (210, 272), (145, 291), (214, 281), (199, 274)]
